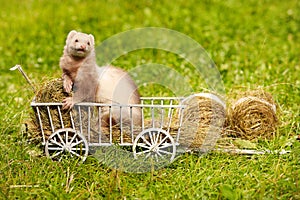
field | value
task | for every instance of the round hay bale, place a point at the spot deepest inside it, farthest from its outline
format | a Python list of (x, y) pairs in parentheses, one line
[(203, 120), (253, 116)]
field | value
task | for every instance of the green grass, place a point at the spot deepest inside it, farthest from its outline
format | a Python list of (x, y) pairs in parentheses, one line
[(253, 43)]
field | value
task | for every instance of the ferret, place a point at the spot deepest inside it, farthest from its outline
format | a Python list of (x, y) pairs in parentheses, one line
[(91, 83)]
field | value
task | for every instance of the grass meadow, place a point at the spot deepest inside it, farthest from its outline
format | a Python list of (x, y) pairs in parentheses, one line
[(254, 44)]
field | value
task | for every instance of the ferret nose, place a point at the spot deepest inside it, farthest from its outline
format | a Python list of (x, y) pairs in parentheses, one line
[(82, 46)]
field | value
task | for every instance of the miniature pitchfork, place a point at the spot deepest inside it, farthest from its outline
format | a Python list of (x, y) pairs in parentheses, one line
[(24, 74)]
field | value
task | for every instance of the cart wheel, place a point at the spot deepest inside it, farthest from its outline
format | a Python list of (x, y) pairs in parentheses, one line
[(66, 142), (155, 143)]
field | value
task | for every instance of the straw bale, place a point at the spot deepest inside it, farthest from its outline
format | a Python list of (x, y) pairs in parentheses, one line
[(203, 120), (252, 116)]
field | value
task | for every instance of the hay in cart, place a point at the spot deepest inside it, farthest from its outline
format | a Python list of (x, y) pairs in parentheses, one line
[(49, 92), (252, 115), (52, 91)]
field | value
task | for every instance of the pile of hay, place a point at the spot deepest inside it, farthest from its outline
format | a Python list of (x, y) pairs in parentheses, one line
[(49, 92), (52, 91), (252, 116), (203, 120)]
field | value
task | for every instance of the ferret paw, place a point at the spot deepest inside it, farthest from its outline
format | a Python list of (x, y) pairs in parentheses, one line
[(67, 103), (68, 85)]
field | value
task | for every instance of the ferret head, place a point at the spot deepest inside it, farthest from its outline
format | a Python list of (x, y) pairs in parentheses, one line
[(79, 44)]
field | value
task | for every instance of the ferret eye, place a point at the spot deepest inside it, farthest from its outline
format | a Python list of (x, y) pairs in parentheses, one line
[(76, 40), (88, 43)]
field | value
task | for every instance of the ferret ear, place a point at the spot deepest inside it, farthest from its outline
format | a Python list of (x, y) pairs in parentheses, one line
[(70, 35), (92, 39)]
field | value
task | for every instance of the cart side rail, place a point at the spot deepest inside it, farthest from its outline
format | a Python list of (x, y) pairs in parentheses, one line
[(86, 117)]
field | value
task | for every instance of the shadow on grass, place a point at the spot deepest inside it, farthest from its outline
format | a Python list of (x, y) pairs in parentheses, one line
[(122, 158)]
